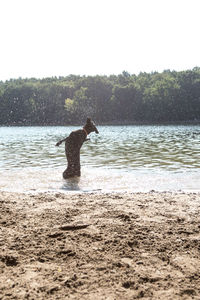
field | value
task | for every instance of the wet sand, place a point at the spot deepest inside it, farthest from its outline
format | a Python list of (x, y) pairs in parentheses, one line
[(100, 246)]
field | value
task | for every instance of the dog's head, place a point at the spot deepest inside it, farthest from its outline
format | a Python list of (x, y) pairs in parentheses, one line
[(90, 126)]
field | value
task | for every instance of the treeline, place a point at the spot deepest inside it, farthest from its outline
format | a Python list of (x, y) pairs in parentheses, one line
[(164, 97)]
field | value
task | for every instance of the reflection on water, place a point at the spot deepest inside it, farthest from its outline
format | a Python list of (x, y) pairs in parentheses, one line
[(72, 184), (120, 157)]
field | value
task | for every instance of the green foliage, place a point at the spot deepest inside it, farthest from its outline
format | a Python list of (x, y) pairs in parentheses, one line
[(164, 97), (69, 104)]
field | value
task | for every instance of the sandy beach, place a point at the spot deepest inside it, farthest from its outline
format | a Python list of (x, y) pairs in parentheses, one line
[(100, 246)]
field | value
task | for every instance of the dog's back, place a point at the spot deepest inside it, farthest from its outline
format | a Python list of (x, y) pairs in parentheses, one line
[(75, 140)]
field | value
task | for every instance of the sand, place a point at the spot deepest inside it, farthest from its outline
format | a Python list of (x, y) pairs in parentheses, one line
[(100, 246)]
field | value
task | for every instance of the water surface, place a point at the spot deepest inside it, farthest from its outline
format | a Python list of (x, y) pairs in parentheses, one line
[(122, 158)]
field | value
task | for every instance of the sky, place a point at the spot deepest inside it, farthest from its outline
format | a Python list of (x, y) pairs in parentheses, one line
[(45, 38)]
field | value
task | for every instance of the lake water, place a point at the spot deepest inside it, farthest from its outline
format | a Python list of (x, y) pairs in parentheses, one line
[(120, 158)]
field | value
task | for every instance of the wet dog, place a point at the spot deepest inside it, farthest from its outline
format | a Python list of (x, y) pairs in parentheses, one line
[(73, 144)]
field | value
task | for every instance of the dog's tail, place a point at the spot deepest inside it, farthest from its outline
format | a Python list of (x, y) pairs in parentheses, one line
[(60, 142)]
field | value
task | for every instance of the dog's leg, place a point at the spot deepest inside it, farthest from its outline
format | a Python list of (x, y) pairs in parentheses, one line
[(73, 168)]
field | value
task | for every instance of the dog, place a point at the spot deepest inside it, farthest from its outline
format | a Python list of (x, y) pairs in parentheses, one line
[(73, 144)]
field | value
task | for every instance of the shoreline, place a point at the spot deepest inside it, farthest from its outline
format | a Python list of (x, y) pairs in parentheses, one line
[(110, 123), (100, 245)]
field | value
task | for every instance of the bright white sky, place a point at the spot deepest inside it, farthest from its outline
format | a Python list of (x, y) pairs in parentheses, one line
[(44, 38)]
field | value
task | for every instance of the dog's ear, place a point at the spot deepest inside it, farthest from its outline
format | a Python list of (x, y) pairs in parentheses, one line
[(88, 120)]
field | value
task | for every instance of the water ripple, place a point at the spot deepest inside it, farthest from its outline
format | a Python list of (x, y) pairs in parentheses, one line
[(118, 147)]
